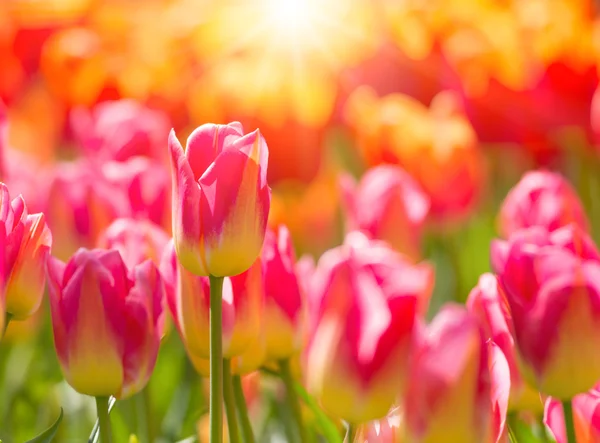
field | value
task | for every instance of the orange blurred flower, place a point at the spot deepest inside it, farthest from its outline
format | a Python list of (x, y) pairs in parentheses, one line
[(437, 146)]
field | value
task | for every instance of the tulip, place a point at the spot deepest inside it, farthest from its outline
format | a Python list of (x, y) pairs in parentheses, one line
[(551, 282), (136, 240), (448, 397), (397, 207), (485, 303), (386, 430), (586, 415), (188, 301), (81, 204), (541, 198), (220, 199), (26, 242), (107, 321), (285, 310), (146, 188), (119, 130), (361, 336)]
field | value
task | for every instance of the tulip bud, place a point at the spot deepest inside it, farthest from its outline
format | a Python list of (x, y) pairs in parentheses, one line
[(220, 199), (541, 198), (188, 298), (284, 319), (448, 397), (26, 242), (136, 240), (107, 321), (551, 282), (397, 207), (487, 305), (586, 417), (119, 130), (361, 336)]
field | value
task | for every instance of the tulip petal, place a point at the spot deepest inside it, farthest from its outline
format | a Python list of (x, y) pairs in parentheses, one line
[(186, 210)]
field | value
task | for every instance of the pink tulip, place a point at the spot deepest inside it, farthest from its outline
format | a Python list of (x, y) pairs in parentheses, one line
[(81, 204), (551, 282), (487, 305), (146, 185), (119, 130), (586, 415), (361, 335), (107, 321), (387, 430), (220, 199), (26, 242), (136, 240), (448, 397), (541, 198), (388, 205), (284, 319), (188, 298)]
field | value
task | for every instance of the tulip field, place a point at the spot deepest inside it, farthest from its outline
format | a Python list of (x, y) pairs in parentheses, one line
[(300, 221)]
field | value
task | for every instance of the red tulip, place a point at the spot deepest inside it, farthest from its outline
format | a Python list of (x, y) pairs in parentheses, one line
[(586, 416), (541, 198), (220, 199), (107, 321)]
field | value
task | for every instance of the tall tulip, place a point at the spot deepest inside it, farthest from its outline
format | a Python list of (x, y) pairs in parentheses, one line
[(362, 336), (220, 199), (541, 198), (397, 207), (448, 397), (107, 321), (551, 282), (26, 242)]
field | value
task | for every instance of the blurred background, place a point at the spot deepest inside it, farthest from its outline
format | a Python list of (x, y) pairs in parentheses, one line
[(464, 95)]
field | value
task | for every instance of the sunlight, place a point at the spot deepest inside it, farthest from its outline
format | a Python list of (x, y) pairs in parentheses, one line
[(290, 16)]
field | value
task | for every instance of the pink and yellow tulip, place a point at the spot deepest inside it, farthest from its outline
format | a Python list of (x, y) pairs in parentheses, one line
[(220, 199), (107, 321), (551, 282), (26, 242)]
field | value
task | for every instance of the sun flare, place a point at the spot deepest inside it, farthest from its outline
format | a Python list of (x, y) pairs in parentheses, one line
[(291, 16)]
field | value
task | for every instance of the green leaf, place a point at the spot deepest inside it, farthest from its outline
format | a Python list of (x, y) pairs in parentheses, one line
[(328, 427), (48, 435)]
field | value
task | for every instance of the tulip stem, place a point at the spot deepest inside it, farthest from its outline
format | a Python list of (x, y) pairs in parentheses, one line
[(350, 433), (569, 424), (232, 425), (238, 392), (103, 420), (292, 398), (215, 402), (7, 319)]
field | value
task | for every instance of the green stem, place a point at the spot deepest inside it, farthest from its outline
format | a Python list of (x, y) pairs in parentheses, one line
[(569, 424), (240, 401), (142, 409), (292, 398), (7, 319), (232, 425), (350, 433), (103, 420), (216, 360)]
